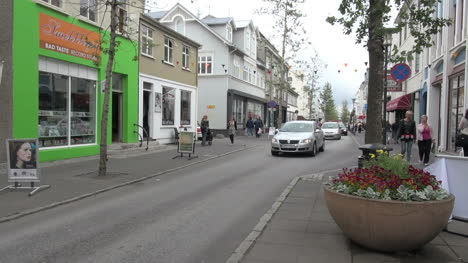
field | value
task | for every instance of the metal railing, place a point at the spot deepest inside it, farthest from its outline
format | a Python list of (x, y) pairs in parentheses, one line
[(145, 132)]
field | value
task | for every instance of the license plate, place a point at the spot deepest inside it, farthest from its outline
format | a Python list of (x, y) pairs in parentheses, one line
[(288, 147)]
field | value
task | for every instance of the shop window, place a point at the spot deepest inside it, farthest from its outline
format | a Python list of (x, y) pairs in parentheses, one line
[(168, 50), (168, 106), (205, 64), (185, 104), (88, 9), (185, 57), (456, 106), (146, 40), (67, 110), (57, 3)]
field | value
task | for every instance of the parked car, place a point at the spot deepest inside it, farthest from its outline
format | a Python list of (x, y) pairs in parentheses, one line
[(298, 137), (344, 130), (331, 130)]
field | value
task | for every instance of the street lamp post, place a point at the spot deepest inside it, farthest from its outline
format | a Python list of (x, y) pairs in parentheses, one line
[(387, 45)]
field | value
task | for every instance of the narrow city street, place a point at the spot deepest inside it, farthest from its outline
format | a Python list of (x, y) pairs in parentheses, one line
[(198, 214)]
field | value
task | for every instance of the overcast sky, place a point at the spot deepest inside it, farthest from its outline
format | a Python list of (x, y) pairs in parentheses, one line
[(333, 47)]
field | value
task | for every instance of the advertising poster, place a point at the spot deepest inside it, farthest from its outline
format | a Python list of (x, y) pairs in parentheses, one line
[(157, 102), (186, 142), (22, 160)]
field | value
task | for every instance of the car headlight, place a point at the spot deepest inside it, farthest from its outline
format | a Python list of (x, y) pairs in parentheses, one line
[(306, 141), (274, 140)]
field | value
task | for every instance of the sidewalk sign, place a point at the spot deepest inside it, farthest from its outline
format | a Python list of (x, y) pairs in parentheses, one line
[(271, 131), (186, 144), (22, 163)]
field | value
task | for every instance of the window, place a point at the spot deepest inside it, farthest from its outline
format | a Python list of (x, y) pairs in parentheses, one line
[(121, 16), (417, 63), (185, 57), (185, 111), (236, 69), (168, 49), (455, 112), (146, 40), (179, 25), (88, 9), (247, 40), (168, 106), (57, 3), (253, 46), (205, 64), (229, 32), (67, 110), (245, 73)]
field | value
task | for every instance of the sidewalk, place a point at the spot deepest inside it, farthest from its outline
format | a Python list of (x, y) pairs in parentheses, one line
[(302, 231), (74, 178)]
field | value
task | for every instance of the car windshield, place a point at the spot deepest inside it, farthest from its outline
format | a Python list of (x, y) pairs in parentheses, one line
[(297, 127), (330, 125)]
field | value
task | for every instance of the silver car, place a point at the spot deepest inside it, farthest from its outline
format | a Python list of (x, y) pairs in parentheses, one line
[(298, 137), (331, 130)]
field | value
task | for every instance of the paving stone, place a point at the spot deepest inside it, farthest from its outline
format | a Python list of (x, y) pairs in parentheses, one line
[(299, 200), (309, 240), (373, 257), (321, 227), (273, 253), (454, 240), (429, 254), (321, 216), (285, 214), (324, 256), (461, 252), (438, 241), (289, 225), (300, 206)]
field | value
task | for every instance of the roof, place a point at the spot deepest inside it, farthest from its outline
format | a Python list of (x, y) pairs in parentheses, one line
[(243, 23), (156, 15), (211, 20)]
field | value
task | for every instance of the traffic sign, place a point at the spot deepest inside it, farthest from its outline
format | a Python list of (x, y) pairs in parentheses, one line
[(272, 104), (400, 72)]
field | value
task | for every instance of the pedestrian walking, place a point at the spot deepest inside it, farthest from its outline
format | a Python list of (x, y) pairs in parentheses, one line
[(250, 126), (395, 127), (232, 128), (424, 140), (258, 127), (204, 126), (463, 127), (407, 135), (359, 127)]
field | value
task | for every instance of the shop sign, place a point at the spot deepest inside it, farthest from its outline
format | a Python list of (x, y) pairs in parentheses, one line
[(63, 37), (22, 160), (392, 85), (186, 142), (211, 106)]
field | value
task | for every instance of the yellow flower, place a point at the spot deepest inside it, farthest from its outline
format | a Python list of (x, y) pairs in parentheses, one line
[(380, 151), (372, 155)]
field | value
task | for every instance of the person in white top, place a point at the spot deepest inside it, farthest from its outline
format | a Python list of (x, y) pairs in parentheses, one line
[(425, 140), (463, 127)]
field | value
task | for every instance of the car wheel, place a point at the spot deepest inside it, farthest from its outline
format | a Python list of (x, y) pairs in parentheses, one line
[(274, 153), (339, 137), (314, 150), (322, 149)]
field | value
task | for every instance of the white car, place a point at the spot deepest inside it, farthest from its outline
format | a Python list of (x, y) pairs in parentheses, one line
[(331, 130), (298, 137)]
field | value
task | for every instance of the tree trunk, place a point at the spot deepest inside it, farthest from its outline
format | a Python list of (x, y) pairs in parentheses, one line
[(376, 74), (105, 110)]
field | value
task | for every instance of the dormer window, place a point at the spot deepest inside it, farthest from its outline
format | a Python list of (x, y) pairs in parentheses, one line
[(179, 25), (229, 32)]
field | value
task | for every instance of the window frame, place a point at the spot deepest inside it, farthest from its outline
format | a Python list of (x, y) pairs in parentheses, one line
[(185, 57), (49, 2), (122, 21), (88, 7), (178, 19), (182, 91), (164, 95), (146, 38), (169, 48), (205, 62), (229, 32)]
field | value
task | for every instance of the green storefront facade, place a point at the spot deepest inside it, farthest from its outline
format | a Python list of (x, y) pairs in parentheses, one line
[(57, 97)]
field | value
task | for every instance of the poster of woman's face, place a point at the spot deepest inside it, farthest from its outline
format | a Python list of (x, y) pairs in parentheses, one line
[(22, 154), (157, 102)]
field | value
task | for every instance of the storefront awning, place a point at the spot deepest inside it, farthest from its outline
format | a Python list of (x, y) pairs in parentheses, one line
[(400, 103), (362, 117)]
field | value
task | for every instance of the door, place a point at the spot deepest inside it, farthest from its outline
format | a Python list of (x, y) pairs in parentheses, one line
[(146, 113), (117, 117)]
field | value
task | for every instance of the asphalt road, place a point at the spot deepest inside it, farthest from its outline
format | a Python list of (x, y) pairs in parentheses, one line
[(199, 214)]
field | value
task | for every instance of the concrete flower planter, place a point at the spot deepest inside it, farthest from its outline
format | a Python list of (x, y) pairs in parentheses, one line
[(388, 226)]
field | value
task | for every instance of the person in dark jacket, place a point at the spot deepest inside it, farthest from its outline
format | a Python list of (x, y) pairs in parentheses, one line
[(395, 127), (204, 126), (407, 135), (258, 126), (250, 126)]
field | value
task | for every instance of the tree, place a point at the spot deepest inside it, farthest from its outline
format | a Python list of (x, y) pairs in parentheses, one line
[(287, 23), (367, 19), (328, 106), (345, 112)]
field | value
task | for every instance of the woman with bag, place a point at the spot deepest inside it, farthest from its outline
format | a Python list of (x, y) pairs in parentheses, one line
[(232, 128), (424, 140), (463, 127)]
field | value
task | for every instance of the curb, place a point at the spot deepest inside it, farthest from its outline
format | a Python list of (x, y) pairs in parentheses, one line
[(80, 197), (245, 245)]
